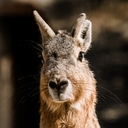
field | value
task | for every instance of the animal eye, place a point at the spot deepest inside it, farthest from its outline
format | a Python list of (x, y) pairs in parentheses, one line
[(54, 54), (80, 56)]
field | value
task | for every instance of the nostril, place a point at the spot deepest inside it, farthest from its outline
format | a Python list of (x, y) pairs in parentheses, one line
[(52, 84), (60, 86), (63, 84)]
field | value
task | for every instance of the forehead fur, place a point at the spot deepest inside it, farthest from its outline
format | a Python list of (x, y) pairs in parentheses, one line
[(61, 44)]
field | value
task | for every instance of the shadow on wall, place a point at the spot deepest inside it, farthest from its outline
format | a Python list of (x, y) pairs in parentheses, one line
[(107, 57)]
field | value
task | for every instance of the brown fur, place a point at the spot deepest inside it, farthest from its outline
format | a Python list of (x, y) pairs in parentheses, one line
[(74, 107)]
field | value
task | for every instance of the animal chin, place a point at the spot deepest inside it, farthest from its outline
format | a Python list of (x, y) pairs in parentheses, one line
[(59, 101), (59, 98)]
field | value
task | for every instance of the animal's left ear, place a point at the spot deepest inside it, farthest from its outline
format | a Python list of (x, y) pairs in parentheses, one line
[(82, 32)]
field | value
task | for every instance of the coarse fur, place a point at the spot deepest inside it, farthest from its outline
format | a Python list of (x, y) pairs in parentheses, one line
[(67, 85)]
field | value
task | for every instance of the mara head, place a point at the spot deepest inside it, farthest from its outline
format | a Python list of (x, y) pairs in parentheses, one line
[(65, 75)]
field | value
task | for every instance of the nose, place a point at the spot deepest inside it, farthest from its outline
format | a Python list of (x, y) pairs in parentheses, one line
[(59, 85)]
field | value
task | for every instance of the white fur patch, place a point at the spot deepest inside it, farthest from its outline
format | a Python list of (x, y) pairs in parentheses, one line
[(79, 104)]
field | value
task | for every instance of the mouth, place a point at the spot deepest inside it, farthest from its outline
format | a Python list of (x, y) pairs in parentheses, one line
[(59, 98)]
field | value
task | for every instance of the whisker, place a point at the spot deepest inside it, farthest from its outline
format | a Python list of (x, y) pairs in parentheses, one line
[(27, 96), (33, 96), (35, 43), (114, 98), (28, 84), (117, 100), (102, 97), (36, 48), (28, 76)]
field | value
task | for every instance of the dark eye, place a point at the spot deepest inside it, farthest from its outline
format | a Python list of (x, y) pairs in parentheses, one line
[(80, 56), (54, 54)]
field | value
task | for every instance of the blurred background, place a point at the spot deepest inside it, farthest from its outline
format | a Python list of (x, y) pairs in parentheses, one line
[(20, 60)]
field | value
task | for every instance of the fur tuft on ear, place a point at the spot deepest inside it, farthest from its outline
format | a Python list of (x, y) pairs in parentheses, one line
[(82, 32)]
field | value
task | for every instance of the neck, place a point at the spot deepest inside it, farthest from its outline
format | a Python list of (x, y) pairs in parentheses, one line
[(68, 116)]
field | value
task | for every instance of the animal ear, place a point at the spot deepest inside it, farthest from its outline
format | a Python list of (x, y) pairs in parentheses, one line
[(45, 30), (82, 32)]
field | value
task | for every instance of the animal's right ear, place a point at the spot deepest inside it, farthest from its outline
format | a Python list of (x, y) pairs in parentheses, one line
[(82, 32), (45, 30)]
